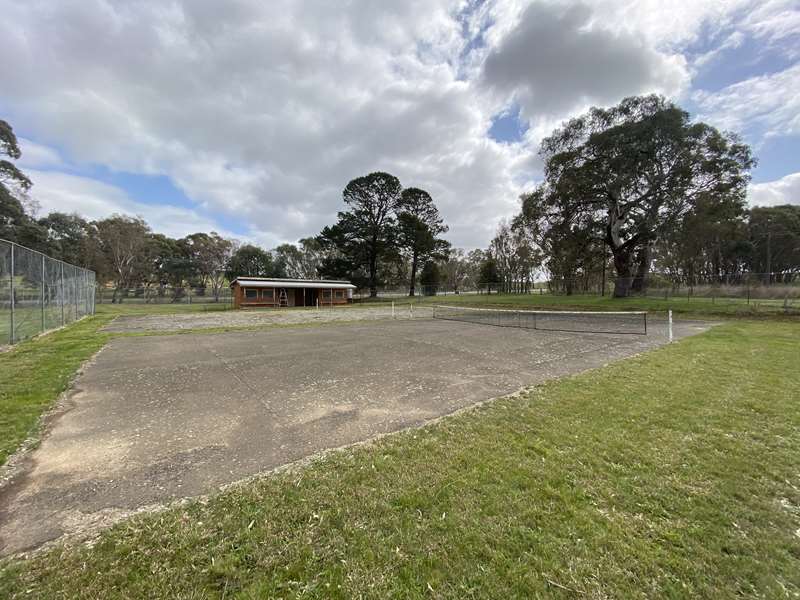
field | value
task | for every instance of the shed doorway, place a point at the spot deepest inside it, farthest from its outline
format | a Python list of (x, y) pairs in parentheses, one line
[(305, 297), (310, 297)]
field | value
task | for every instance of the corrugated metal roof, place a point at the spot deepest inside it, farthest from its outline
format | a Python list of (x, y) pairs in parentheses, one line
[(292, 283)]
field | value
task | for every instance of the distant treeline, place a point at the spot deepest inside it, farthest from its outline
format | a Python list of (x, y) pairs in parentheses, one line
[(386, 235)]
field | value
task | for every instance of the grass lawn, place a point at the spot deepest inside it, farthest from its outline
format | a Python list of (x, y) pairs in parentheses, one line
[(158, 309), (671, 474), (695, 307)]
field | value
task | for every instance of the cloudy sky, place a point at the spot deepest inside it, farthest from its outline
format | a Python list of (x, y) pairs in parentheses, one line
[(249, 117)]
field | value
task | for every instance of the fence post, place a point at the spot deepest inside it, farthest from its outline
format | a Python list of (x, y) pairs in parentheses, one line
[(669, 324), (11, 289), (41, 296), (63, 322)]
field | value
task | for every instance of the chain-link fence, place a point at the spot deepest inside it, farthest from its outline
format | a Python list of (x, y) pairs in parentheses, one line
[(39, 293), (779, 289), (218, 298), (774, 291)]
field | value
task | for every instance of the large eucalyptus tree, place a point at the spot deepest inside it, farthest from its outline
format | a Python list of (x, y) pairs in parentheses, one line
[(631, 172)]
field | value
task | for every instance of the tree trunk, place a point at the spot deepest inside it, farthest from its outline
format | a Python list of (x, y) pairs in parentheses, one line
[(622, 266), (373, 280), (643, 266), (620, 251), (412, 287)]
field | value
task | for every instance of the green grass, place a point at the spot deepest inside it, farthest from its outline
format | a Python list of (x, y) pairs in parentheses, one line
[(671, 474), (35, 372), (156, 309)]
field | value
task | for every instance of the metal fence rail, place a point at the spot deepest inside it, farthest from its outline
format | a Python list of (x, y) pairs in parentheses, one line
[(39, 293)]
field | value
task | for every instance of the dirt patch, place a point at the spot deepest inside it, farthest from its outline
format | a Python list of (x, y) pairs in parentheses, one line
[(262, 318)]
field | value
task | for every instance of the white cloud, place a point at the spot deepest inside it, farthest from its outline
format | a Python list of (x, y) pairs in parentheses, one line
[(262, 111), (785, 190), (733, 40), (94, 200), (770, 103), (38, 156), (774, 21)]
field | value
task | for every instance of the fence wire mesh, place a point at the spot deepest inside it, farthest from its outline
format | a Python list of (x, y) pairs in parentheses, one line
[(166, 294), (634, 322), (39, 293)]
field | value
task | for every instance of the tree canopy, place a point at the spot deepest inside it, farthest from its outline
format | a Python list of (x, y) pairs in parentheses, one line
[(252, 261), (15, 224), (419, 226), (383, 225), (629, 174)]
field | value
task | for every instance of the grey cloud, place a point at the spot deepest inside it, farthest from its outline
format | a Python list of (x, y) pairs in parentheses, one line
[(557, 59)]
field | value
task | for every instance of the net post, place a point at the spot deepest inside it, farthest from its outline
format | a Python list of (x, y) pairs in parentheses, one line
[(63, 321), (393, 309), (669, 324), (11, 289), (645, 323), (41, 295)]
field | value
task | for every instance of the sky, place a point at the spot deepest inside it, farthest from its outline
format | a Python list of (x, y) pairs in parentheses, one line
[(249, 117)]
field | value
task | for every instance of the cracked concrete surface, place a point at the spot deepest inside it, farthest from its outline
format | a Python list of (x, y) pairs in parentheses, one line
[(154, 419)]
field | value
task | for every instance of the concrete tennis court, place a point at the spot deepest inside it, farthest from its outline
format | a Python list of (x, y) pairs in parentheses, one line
[(157, 418)]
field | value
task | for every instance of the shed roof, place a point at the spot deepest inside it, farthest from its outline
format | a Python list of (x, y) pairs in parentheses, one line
[(279, 282)]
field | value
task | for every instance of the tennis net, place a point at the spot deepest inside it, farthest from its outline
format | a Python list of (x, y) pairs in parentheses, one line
[(631, 322)]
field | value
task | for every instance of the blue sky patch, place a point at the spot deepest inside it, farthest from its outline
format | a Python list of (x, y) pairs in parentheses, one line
[(731, 65), (507, 126)]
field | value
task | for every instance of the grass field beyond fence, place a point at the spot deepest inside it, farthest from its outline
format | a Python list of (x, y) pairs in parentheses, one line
[(671, 474), (686, 306)]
